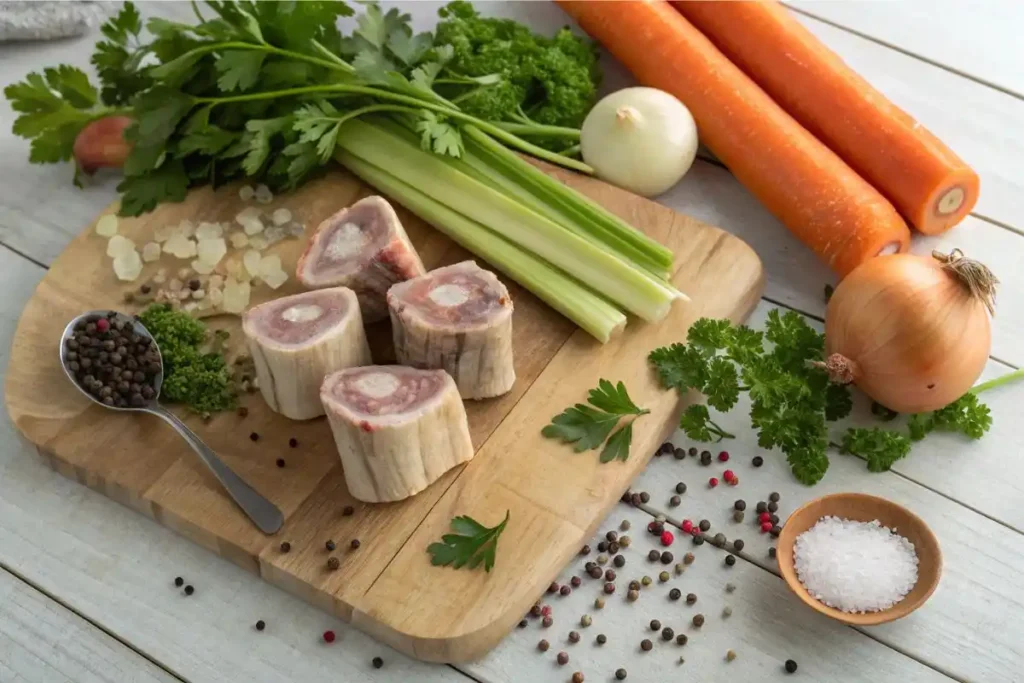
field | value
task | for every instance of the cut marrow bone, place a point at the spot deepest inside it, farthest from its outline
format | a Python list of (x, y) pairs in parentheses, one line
[(363, 247), (296, 340), (397, 429), (458, 319)]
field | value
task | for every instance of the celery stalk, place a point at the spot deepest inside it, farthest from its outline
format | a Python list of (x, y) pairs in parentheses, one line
[(604, 225), (593, 267), (586, 309)]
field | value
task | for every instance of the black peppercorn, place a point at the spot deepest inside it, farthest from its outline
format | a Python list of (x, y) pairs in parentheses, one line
[(653, 556), (179, 582), (645, 497), (619, 561), (705, 458), (575, 581), (243, 411), (634, 499), (189, 590), (354, 544), (535, 611), (674, 594), (333, 563), (681, 639), (293, 442), (790, 666), (601, 639), (730, 560), (758, 461), (674, 501), (774, 519), (602, 547), (612, 536), (348, 511), (562, 659), (704, 525), (679, 454), (613, 547), (664, 448), (553, 588), (691, 598), (574, 637), (738, 544), (773, 506), (280, 462), (761, 507), (667, 633), (330, 546), (698, 540), (774, 497), (620, 674), (260, 625), (655, 625), (692, 452), (771, 553), (698, 620), (546, 622), (656, 528), (543, 646), (740, 505), (377, 662), (254, 437), (646, 645), (680, 488), (585, 550), (523, 623), (718, 540), (666, 557), (776, 530)]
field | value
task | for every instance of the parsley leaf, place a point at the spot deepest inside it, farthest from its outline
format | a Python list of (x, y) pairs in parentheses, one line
[(808, 463), (679, 367), (697, 423), (880, 447), (838, 402), (439, 136), (966, 415), (141, 193), (407, 48), (470, 545), (118, 59), (239, 69), (588, 426)]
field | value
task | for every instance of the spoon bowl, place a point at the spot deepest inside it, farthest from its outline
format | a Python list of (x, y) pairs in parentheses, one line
[(264, 514)]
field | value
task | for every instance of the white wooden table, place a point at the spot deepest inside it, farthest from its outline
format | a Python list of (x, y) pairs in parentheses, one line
[(86, 586)]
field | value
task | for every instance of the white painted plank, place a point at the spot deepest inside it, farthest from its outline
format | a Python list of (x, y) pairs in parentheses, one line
[(980, 124), (117, 568), (969, 628), (980, 38), (42, 642), (768, 626)]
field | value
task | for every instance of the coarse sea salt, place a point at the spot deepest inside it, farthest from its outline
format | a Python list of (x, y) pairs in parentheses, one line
[(855, 566)]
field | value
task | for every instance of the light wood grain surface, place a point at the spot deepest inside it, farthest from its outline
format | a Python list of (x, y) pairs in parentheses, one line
[(115, 567)]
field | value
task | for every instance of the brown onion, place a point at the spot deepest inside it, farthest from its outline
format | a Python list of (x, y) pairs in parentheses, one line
[(912, 332)]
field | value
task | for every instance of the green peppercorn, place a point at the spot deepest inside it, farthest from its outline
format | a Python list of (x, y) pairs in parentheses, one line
[(719, 540), (647, 581), (680, 568), (698, 620), (624, 525), (586, 621), (598, 603), (727, 612), (738, 516), (602, 559), (646, 645), (664, 576), (625, 541), (688, 558), (730, 655), (667, 633)]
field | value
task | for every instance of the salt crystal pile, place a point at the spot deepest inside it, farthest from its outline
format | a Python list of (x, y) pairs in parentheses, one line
[(855, 566)]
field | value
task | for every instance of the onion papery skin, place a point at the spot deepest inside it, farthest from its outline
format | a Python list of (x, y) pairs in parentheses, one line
[(918, 340)]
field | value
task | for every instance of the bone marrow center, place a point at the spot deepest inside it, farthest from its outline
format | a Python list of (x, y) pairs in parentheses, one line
[(347, 241), (377, 384), (302, 313), (448, 295)]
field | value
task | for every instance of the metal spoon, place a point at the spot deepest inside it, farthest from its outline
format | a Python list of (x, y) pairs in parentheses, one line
[(261, 511)]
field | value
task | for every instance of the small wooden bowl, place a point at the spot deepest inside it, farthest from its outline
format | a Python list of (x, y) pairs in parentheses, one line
[(864, 508)]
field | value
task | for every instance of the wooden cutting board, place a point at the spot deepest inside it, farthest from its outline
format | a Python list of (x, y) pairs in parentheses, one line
[(387, 587)]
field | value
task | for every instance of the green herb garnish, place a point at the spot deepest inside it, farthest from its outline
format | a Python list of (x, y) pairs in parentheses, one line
[(471, 544), (589, 426)]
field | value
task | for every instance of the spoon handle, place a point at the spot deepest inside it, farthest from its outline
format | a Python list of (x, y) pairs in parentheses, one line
[(261, 511)]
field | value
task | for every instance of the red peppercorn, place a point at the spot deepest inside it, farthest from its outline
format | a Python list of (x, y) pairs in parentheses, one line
[(545, 611), (734, 481), (766, 527), (728, 475), (667, 538), (695, 531), (723, 456), (764, 517), (328, 636), (102, 325), (687, 526), (713, 482)]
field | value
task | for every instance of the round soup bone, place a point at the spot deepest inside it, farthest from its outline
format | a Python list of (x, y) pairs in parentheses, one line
[(458, 319), (363, 247), (296, 340), (397, 429)]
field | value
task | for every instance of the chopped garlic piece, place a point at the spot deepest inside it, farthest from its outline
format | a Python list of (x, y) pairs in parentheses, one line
[(252, 261), (281, 216), (239, 240), (236, 295), (128, 265), (151, 252), (245, 193), (107, 225), (211, 251), (180, 246), (119, 244), (209, 231), (203, 268), (263, 194)]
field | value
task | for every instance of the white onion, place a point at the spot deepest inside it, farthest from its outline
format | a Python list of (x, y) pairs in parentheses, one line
[(641, 139)]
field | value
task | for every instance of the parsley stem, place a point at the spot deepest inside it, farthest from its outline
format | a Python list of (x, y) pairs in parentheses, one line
[(998, 381), (718, 431), (539, 130), (339, 65)]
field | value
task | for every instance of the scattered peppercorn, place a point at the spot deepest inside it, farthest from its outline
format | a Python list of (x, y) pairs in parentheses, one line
[(675, 594), (546, 622), (730, 655), (646, 645), (634, 499), (734, 481), (546, 610), (773, 507), (758, 461), (776, 530), (609, 588), (738, 544), (718, 540), (653, 556), (613, 548), (730, 587), (704, 525), (774, 497), (646, 580), (681, 639), (179, 582), (667, 538), (535, 611), (333, 563), (737, 516), (189, 590), (664, 448), (574, 636), (774, 519), (586, 620), (645, 497), (543, 645), (728, 475), (243, 411), (254, 437), (698, 540), (680, 568), (609, 575), (727, 612), (377, 662), (680, 488), (633, 596), (771, 553), (566, 590), (619, 561), (655, 625), (601, 639), (664, 576), (723, 456), (655, 528), (348, 511), (693, 452), (330, 546), (612, 536), (666, 557), (634, 585), (679, 454), (602, 547), (730, 560), (577, 677), (713, 482), (691, 598), (280, 462), (585, 550), (328, 636), (523, 623), (705, 455), (598, 603), (761, 507), (602, 559), (790, 666), (688, 558), (562, 658), (764, 517), (674, 501), (740, 505), (260, 625), (667, 633), (595, 572), (698, 620), (624, 541), (620, 674)]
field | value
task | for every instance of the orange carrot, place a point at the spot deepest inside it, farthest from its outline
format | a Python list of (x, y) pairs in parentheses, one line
[(929, 184), (822, 201)]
